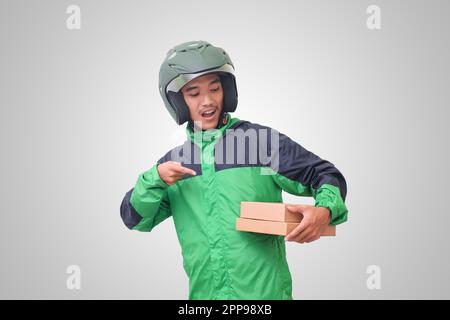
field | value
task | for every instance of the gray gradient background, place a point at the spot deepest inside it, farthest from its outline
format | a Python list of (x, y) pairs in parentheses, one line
[(81, 117)]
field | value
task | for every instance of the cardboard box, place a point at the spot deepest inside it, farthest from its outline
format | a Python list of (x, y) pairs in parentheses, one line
[(271, 218), (274, 227), (272, 211)]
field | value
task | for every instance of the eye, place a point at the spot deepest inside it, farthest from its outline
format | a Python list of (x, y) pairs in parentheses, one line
[(216, 89), (194, 95)]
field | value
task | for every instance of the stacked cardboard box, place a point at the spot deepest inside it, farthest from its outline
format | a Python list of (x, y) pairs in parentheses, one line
[(271, 218)]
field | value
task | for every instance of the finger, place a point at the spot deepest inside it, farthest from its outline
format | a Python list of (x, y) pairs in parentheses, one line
[(300, 228), (183, 170), (311, 239), (177, 175), (307, 236), (297, 208), (189, 171), (170, 181), (304, 235), (294, 208)]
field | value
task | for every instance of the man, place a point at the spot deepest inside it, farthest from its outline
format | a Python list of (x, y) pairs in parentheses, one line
[(202, 192)]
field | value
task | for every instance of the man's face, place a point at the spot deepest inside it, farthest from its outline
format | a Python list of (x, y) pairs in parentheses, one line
[(204, 97)]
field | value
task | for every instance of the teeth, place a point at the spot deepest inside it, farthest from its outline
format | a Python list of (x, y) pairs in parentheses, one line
[(208, 113)]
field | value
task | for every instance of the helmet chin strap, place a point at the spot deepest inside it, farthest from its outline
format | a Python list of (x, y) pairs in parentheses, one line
[(223, 119)]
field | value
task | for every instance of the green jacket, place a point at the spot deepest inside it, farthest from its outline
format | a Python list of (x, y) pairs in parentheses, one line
[(221, 262)]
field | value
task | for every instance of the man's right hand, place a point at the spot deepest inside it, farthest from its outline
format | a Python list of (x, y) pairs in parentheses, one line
[(171, 171)]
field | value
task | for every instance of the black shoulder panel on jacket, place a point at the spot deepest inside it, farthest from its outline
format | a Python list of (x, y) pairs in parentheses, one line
[(250, 144), (297, 163), (129, 216), (243, 145)]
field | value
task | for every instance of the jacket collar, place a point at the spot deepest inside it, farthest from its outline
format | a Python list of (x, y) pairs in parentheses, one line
[(204, 137)]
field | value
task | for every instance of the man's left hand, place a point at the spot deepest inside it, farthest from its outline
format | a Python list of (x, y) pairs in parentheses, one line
[(314, 222)]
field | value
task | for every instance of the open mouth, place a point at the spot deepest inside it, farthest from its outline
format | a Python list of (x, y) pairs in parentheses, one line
[(209, 114)]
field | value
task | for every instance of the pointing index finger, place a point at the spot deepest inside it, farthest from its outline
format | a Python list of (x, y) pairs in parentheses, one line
[(189, 171), (180, 169)]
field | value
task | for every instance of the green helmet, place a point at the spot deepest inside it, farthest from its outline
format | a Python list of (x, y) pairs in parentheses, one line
[(188, 61)]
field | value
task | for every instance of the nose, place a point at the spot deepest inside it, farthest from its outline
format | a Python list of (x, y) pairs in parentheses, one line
[(207, 100)]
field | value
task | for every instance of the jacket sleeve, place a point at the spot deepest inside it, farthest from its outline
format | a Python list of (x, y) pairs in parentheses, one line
[(147, 204), (301, 172)]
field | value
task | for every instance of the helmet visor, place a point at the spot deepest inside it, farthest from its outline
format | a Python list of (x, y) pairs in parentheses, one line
[(177, 83)]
